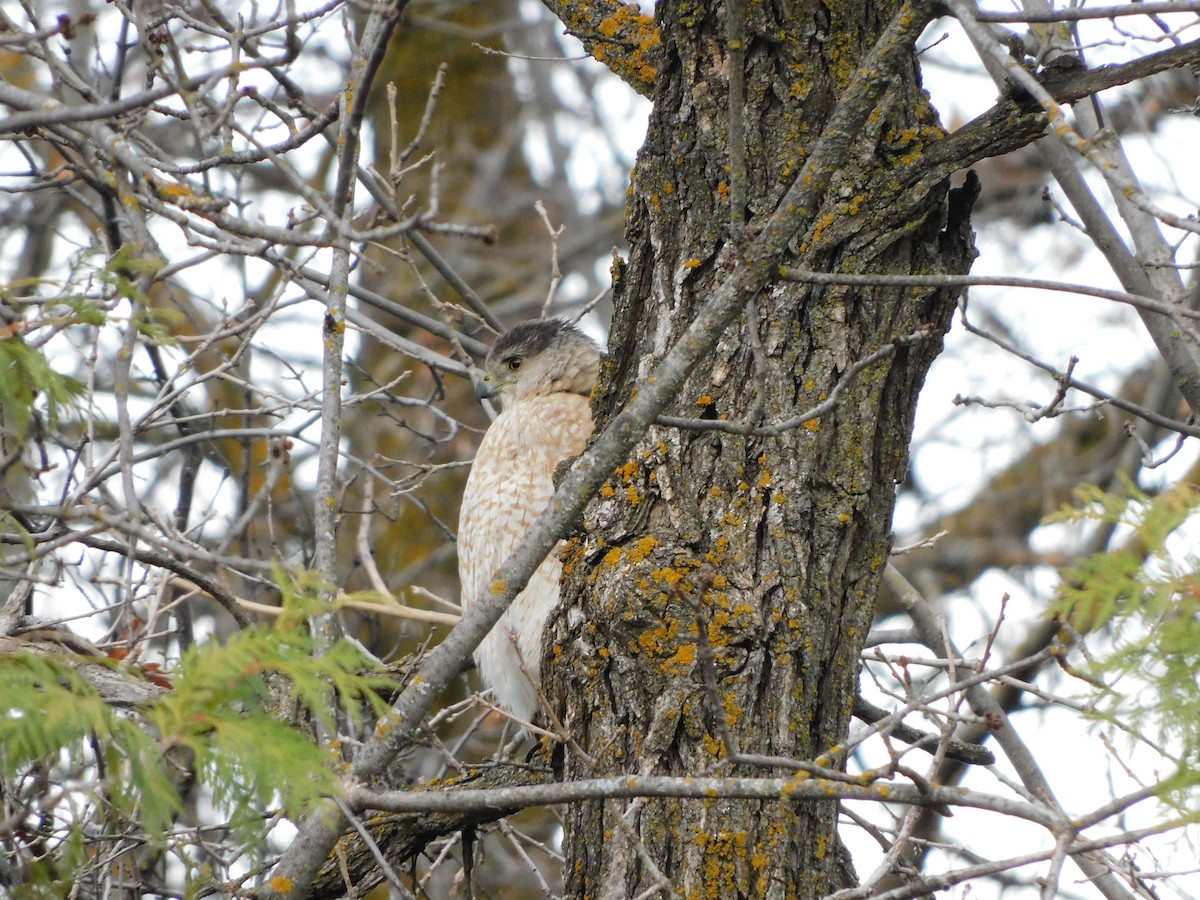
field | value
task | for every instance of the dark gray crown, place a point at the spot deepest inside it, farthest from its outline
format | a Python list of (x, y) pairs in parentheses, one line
[(532, 337)]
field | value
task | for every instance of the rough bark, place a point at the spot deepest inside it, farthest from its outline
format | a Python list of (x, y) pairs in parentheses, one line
[(761, 554)]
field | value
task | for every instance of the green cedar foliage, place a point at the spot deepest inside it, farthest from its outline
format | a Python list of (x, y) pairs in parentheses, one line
[(30, 387), (1144, 593), (240, 712), (33, 394), (26, 375)]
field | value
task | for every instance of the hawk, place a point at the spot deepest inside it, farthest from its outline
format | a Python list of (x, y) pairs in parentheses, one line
[(542, 372)]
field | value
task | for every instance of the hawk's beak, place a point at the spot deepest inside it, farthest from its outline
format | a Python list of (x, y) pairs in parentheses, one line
[(483, 390)]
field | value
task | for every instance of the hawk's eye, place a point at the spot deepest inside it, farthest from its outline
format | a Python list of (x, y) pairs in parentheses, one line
[(515, 362)]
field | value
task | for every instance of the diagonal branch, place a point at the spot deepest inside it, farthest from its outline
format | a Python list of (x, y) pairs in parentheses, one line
[(758, 267), (1135, 208), (1014, 122)]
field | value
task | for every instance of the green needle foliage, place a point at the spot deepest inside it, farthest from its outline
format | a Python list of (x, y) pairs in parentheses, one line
[(29, 384), (1145, 593), (25, 377), (33, 393), (244, 710), (240, 714)]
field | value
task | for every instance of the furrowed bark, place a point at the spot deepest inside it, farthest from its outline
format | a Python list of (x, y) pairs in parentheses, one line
[(761, 554)]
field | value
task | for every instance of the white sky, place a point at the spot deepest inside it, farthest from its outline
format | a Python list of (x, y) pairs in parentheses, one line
[(955, 450)]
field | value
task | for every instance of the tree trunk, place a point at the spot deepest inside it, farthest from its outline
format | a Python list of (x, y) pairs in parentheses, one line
[(760, 553)]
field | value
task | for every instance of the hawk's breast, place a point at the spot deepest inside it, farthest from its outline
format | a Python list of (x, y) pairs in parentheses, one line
[(510, 485)]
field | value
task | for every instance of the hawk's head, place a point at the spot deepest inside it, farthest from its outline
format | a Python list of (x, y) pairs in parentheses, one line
[(541, 356)]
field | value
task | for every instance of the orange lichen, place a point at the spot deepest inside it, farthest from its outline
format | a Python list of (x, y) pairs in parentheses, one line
[(630, 45), (822, 223), (174, 191), (653, 641), (680, 661), (733, 712), (642, 548), (724, 853), (666, 576)]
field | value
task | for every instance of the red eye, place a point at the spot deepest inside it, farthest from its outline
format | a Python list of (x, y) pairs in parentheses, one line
[(515, 363)]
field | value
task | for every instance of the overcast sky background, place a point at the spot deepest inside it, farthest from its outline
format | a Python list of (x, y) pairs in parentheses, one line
[(955, 448)]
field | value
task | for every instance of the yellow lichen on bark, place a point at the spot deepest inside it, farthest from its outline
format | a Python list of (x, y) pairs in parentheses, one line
[(619, 35)]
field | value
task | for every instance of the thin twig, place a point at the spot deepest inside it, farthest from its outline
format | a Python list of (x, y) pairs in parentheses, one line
[(815, 412), (435, 92), (555, 273)]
